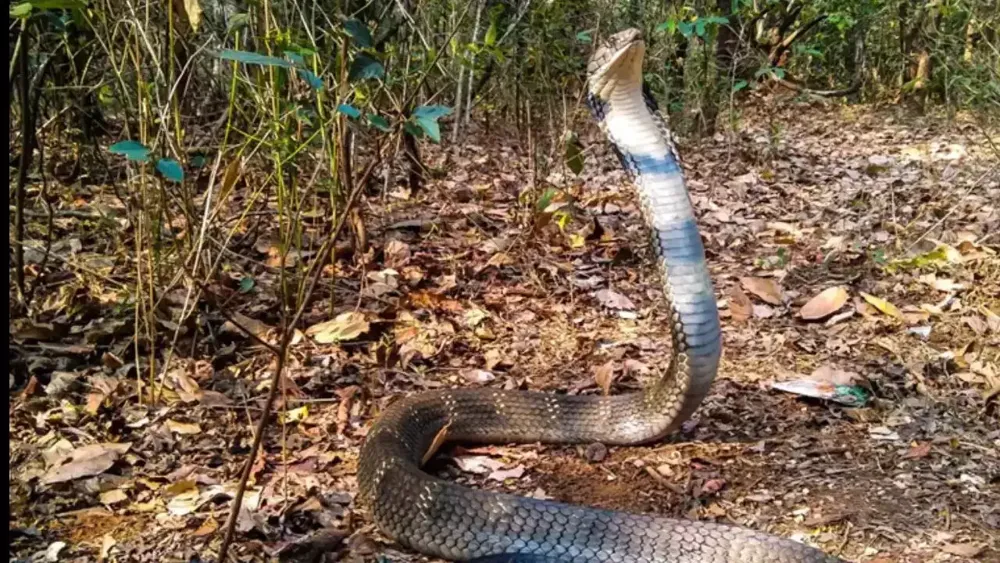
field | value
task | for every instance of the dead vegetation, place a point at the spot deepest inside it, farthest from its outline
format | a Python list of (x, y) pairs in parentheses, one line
[(891, 220)]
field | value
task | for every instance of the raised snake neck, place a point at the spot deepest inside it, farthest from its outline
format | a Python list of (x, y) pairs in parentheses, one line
[(442, 519)]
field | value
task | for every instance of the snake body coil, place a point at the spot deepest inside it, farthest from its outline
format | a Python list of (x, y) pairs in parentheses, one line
[(442, 519)]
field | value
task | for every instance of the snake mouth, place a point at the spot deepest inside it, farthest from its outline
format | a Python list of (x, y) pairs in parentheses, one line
[(617, 62)]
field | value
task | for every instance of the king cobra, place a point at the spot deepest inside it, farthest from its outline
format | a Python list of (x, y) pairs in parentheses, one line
[(443, 519)]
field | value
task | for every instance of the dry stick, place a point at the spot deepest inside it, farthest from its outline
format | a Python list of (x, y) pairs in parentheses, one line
[(27, 129), (288, 331)]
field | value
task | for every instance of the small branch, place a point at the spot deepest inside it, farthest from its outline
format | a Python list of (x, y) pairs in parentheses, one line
[(785, 43), (27, 147), (823, 93)]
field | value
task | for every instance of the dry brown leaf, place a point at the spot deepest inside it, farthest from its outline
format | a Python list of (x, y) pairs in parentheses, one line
[(185, 428), (828, 301), (614, 300), (830, 374), (193, 10), (397, 253), (113, 496), (918, 451), (477, 375), (207, 528), (504, 474), (346, 326), (604, 375), (86, 461), (257, 328), (969, 550), (480, 464), (766, 289), (739, 305)]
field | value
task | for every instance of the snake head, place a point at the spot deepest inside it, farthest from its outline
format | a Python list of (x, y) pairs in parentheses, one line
[(618, 60)]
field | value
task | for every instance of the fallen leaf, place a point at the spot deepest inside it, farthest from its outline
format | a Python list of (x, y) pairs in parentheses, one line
[(52, 552), (977, 324), (918, 451), (765, 288), (86, 461), (295, 415), (193, 9), (479, 464), (477, 375), (882, 433), (257, 328), (108, 542), (992, 319), (185, 428), (882, 305), (739, 305), (207, 528), (397, 253), (835, 376), (61, 383), (184, 503), (504, 474), (712, 486), (114, 496), (763, 311), (614, 300), (968, 550), (346, 326), (475, 316), (826, 303), (604, 375)]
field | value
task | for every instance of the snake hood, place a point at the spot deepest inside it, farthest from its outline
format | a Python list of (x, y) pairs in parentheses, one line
[(618, 61)]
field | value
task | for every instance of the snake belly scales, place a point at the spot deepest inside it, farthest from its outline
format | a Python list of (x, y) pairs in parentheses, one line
[(442, 519)]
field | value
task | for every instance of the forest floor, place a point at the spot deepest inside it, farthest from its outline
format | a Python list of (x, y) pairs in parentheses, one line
[(465, 285)]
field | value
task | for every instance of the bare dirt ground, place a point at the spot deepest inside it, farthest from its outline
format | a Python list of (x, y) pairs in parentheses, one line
[(460, 288)]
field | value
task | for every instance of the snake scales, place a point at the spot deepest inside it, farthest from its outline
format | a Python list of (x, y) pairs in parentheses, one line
[(443, 519)]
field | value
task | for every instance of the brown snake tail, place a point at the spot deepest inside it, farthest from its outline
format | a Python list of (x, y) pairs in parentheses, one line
[(442, 519)]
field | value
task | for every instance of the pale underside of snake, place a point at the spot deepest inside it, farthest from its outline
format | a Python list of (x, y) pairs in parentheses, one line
[(442, 519)]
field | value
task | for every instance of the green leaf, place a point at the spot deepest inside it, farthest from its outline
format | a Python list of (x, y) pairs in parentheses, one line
[(133, 150), (250, 58), (238, 22), (426, 117), (740, 85), (21, 11), (431, 112), (699, 28), (584, 37), (198, 161), (686, 28), (363, 66), (545, 199), (412, 129), (310, 77), (171, 169), (349, 110), (379, 122), (722, 20), (246, 284), (359, 32), (670, 26), (491, 35)]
